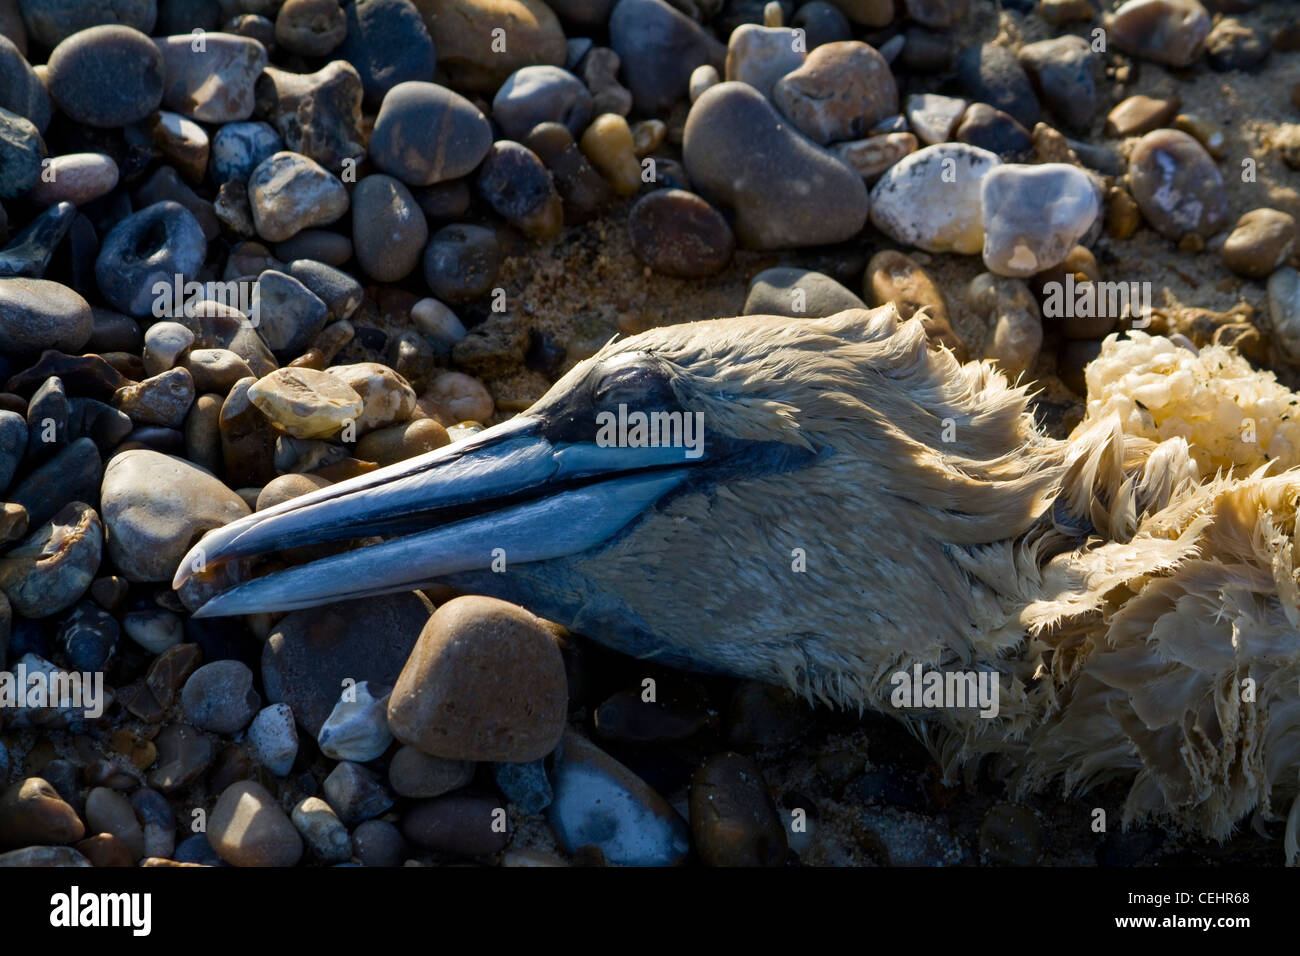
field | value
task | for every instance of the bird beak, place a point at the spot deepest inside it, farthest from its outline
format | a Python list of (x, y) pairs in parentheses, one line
[(506, 494)]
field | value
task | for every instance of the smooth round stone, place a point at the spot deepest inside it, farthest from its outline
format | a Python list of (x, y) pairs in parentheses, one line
[(215, 371), (437, 321), (108, 811), (821, 23), (1177, 185), (21, 152), (286, 313), (541, 94), (286, 488), (459, 398), (154, 629), (87, 637), (71, 475), (458, 824), (273, 738), (387, 446), (357, 727), (54, 566), (1260, 242), (289, 192), (44, 856), (77, 178), (1063, 71), (598, 801), (761, 55), (1172, 32), (36, 314), (983, 126), (660, 48), (419, 775), (1034, 215), (310, 27), (733, 819), (164, 344), (21, 89), (306, 403), (461, 263), (146, 248), (1015, 333), (426, 134), (451, 702), (931, 199), (1140, 114), (839, 93), (211, 82), (310, 653), (49, 22), (388, 229), (991, 74), (737, 147), (106, 76), (798, 293), (678, 234), (599, 70), (609, 144), (462, 32), (32, 812), (154, 506), (219, 697), (248, 828), (388, 43), (386, 397), (239, 148), (518, 187), (320, 826), (702, 77), (339, 291), (378, 843)]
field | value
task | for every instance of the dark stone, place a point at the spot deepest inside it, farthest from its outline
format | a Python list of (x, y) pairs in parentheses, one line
[(991, 74), (461, 262), (29, 252), (388, 44)]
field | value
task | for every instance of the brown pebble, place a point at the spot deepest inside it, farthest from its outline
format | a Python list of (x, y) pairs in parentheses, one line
[(1260, 242), (248, 828), (386, 446), (31, 811), (1140, 114), (734, 820), (104, 849), (1122, 215), (458, 824), (894, 277)]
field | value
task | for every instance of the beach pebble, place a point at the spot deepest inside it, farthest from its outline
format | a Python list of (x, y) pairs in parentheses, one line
[(162, 399), (357, 727), (1034, 215), (355, 793), (215, 371), (239, 148), (164, 344), (993, 75), (821, 23), (154, 506), (378, 843), (419, 775), (13, 445), (678, 234), (21, 152), (29, 252), (1177, 185), (702, 78), (316, 114), (108, 811), (71, 475), (44, 856), (891, 276), (340, 292), (306, 403), (737, 146), (388, 44), (21, 89), (1232, 45), (734, 821), (1140, 114), (518, 187), (321, 245), (660, 47), (106, 75), (870, 157), (387, 446), (457, 397), (31, 811), (1015, 328), (798, 293), (458, 824), (600, 75), (36, 314), (248, 828), (386, 397), (461, 263), (1171, 32), (87, 637), (839, 93), (540, 94), (1284, 311), (155, 629), (598, 801), (77, 178), (310, 27), (289, 192), (1262, 240), (273, 739), (526, 785), (49, 22), (183, 754), (608, 143), (310, 653), (760, 55), (286, 313), (212, 81), (219, 697), (931, 198), (323, 831), (149, 247), (462, 32), (426, 134), (934, 117), (53, 567), (1063, 70), (449, 703), (983, 126)]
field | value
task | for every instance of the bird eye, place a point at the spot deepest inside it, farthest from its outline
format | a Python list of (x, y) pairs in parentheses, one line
[(635, 380)]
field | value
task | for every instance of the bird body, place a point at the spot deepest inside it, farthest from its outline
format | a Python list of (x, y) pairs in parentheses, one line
[(867, 504)]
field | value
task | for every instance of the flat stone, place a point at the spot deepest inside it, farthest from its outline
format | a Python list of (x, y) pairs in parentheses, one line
[(676, 233), (248, 828)]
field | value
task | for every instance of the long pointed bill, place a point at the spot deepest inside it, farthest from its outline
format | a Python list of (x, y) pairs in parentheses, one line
[(506, 492)]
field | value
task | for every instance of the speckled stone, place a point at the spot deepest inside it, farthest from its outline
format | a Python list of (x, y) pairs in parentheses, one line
[(931, 198), (289, 192), (1177, 185)]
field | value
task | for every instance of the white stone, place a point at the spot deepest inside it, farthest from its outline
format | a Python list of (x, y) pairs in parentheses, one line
[(437, 321), (357, 727), (164, 343), (155, 629), (274, 738), (931, 198), (934, 117), (760, 56), (1034, 215)]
